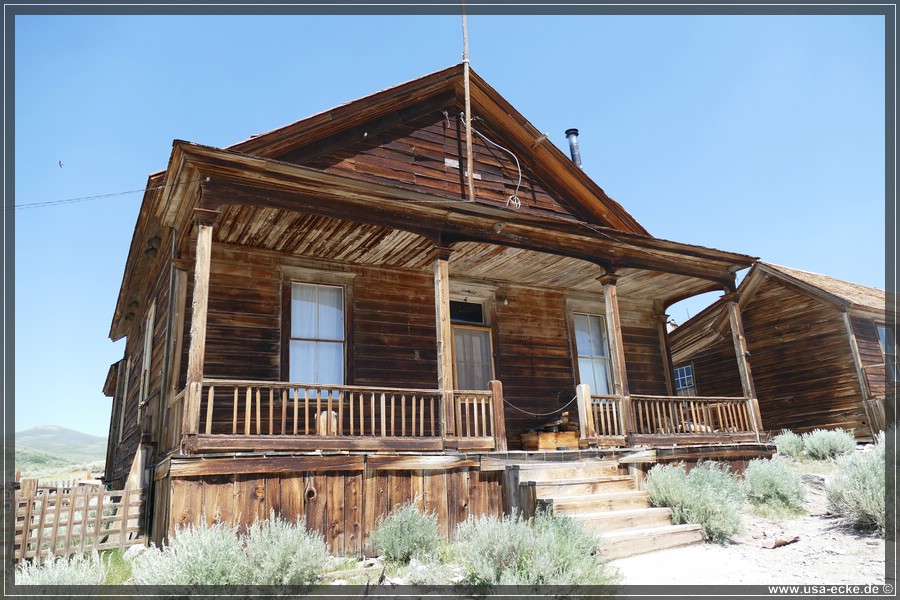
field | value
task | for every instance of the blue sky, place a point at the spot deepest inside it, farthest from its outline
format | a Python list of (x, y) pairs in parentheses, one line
[(755, 134)]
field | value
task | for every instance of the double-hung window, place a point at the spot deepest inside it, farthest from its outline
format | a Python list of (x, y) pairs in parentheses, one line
[(592, 347), (317, 341)]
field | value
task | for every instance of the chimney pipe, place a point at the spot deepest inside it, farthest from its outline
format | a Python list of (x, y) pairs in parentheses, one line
[(572, 135)]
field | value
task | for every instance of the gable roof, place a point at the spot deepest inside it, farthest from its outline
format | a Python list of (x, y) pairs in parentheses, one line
[(581, 196), (837, 291)]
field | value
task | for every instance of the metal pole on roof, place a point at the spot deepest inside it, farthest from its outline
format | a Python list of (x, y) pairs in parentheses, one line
[(470, 167)]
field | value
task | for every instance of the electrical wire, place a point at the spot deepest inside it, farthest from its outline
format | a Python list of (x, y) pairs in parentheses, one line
[(97, 197), (514, 198)]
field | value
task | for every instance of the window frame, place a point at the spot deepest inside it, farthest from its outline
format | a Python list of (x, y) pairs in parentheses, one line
[(288, 326), (600, 314), (891, 368), (675, 379)]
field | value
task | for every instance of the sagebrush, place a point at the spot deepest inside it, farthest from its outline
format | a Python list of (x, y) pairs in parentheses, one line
[(789, 444), (272, 552), (772, 486), (857, 489), (710, 495), (546, 550), (407, 533), (77, 570), (822, 444)]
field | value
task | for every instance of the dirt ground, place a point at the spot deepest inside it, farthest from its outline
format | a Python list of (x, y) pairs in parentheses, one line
[(826, 553)]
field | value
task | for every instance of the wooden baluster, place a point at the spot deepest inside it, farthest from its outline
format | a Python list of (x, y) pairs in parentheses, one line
[(372, 403), (340, 418), (209, 409), (693, 411), (271, 410), (393, 414), (413, 420), (483, 400), (234, 416), (403, 414), (329, 422), (318, 411), (431, 399), (306, 410), (422, 416), (352, 403), (383, 415), (284, 403), (248, 412), (489, 422), (296, 394), (362, 414), (457, 404)]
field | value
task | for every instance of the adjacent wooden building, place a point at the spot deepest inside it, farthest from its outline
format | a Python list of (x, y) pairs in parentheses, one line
[(817, 348), (373, 304)]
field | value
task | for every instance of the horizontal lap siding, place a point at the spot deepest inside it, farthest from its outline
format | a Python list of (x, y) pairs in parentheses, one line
[(643, 352), (533, 359), (243, 336), (716, 370), (412, 155), (801, 361)]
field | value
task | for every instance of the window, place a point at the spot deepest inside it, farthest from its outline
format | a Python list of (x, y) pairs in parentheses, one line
[(888, 352), (146, 362), (316, 350), (684, 381), (473, 364), (593, 352)]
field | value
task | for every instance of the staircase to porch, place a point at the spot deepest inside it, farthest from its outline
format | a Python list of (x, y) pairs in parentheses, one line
[(607, 502)]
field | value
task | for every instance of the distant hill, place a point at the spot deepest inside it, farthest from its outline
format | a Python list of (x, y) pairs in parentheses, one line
[(50, 448)]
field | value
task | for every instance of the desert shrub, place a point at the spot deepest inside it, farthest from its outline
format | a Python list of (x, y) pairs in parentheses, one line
[(407, 533), (789, 444), (78, 570), (282, 553), (821, 444), (201, 555), (546, 550), (709, 495), (856, 490), (771, 485)]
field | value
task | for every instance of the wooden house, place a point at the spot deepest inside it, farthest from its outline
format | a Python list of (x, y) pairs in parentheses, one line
[(379, 303), (817, 348)]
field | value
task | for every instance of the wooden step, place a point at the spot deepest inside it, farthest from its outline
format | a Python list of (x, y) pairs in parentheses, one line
[(625, 519), (581, 486), (549, 472), (630, 542), (590, 503)]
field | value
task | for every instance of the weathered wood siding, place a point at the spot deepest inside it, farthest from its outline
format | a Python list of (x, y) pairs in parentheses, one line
[(343, 505), (412, 154), (122, 453), (801, 361), (870, 354), (644, 362)]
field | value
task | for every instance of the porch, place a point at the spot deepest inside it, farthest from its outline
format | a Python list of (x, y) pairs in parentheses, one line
[(219, 415)]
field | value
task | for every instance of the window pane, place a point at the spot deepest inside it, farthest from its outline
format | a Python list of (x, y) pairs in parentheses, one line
[(598, 337), (331, 313), (330, 363), (472, 349), (303, 361), (303, 311), (582, 334), (601, 377)]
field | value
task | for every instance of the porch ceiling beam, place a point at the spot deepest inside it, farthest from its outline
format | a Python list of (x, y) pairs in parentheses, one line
[(239, 179)]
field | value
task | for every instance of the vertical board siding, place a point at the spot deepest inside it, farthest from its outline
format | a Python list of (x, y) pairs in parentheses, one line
[(870, 354), (344, 506)]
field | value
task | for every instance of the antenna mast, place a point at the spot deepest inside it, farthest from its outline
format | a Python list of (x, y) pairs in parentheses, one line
[(470, 167)]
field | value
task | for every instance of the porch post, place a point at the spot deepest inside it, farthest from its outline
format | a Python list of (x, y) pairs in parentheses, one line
[(742, 353), (444, 337), (204, 219), (616, 347)]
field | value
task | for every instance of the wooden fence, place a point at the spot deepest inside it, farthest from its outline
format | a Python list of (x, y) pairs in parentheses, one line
[(61, 521)]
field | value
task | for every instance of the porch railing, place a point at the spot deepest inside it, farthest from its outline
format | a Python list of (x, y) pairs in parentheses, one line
[(610, 419), (340, 416), (267, 408)]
